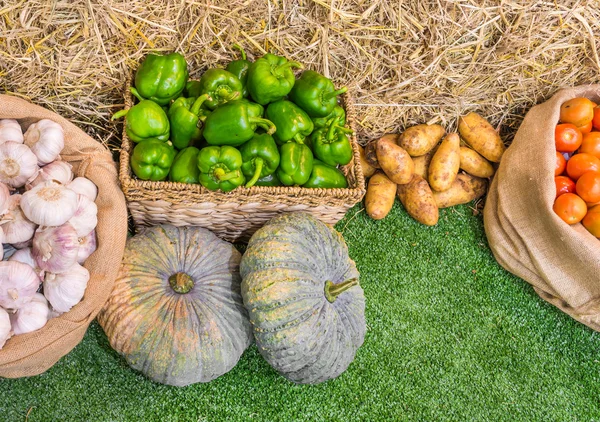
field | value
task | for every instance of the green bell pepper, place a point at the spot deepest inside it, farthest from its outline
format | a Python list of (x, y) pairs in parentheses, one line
[(337, 115), (240, 69), (325, 176), (292, 123), (161, 78), (270, 78), (220, 168), (185, 166), (260, 157), (315, 94), (331, 145), (219, 84), (145, 121), (270, 180), (295, 165), (186, 117), (234, 123), (151, 160)]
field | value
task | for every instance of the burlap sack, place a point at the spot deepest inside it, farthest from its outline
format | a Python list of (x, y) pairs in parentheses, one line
[(527, 238), (33, 353)]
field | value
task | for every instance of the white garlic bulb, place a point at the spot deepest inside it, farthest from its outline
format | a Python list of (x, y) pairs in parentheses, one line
[(17, 228), (55, 248), (85, 218), (23, 245), (59, 171), (17, 164), (84, 186), (31, 316), (18, 284), (5, 329), (9, 250), (10, 130), (49, 204), (26, 257), (87, 246), (46, 140), (66, 290), (2, 242), (4, 196)]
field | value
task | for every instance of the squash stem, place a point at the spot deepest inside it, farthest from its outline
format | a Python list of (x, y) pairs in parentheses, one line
[(332, 291), (181, 283)]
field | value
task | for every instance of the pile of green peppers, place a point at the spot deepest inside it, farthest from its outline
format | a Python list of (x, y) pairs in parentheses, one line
[(250, 124)]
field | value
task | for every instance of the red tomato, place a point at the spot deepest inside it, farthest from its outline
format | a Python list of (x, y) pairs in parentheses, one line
[(581, 163), (564, 185), (588, 186), (561, 164), (579, 111), (591, 221), (585, 128), (591, 144), (567, 137), (570, 208), (596, 119)]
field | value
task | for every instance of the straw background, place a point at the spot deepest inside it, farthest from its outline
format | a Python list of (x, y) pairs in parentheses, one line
[(405, 61)]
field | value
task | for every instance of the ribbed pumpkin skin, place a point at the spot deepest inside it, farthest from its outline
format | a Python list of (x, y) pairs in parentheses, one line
[(178, 339), (298, 331)]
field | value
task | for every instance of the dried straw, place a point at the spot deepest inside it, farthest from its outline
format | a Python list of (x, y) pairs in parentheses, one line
[(405, 61)]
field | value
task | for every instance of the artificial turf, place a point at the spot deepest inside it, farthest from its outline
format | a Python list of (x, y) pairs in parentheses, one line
[(451, 336)]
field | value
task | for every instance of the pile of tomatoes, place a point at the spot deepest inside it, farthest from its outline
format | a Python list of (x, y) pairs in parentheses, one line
[(577, 172)]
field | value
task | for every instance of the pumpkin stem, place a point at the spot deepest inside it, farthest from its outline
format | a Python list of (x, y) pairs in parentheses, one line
[(181, 283), (332, 291)]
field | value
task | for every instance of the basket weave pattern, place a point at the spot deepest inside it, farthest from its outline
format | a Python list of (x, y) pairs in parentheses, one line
[(236, 215)]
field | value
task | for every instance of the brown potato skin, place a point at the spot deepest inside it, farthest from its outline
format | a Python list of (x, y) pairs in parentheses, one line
[(368, 169), (422, 163), (474, 164), (465, 189), (417, 198), (481, 136), (371, 154), (420, 139), (445, 163), (394, 161), (380, 196)]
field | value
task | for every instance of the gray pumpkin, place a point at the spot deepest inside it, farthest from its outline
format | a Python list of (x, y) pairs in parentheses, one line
[(175, 312), (302, 294)]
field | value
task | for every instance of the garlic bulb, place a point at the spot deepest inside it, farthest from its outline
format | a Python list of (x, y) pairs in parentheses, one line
[(10, 130), (66, 290), (23, 245), (18, 284), (46, 140), (55, 248), (9, 250), (87, 246), (86, 216), (4, 196), (17, 228), (60, 171), (84, 186), (49, 204), (26, 257), (5, 329), (17, 164), (32, 316)]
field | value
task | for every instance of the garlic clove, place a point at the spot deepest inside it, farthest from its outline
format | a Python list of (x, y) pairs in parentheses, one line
[(84, 186), (55, 248), (46, 140), (17, 228), (5, 327), (66, 290), (18, 284), (59, 171), (26, 257), (86, 216), (10, 130), (17, 164), (87, 246), (31, 316), (49, 204)]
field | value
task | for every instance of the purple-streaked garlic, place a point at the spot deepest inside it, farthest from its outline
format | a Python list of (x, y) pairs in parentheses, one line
[(18, 284), (5, 328), (55, 248), (66, 290), (17, 228), (26, 257), (46, 140), (31, 316), (59, 171), (87, 246), (17, 164), (49, 204), (84, 186), (10, 130), (86, 217)]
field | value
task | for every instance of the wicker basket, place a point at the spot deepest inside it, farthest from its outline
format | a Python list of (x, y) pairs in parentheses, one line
[(236, 215)]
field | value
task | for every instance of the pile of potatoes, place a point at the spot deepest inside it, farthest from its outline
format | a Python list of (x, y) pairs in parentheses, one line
[(422, 166)]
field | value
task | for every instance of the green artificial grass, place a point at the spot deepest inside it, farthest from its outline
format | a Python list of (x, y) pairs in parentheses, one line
[(451, 336)]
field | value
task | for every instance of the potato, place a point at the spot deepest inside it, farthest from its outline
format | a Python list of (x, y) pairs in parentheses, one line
[(445, 163), (368, 169), (422, 163), (481, 136), (474, 164), (417, 198), (371, 154), (420, 139), (380, 196), (464, 189), (394, 161)]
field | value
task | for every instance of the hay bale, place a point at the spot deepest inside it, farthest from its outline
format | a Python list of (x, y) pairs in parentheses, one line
[(406, 62)]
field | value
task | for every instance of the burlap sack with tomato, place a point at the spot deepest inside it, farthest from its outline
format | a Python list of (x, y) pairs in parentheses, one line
[(527, 237)]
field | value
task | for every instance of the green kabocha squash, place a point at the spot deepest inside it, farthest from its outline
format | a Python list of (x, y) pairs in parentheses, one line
[(175, 312), (303, 298)]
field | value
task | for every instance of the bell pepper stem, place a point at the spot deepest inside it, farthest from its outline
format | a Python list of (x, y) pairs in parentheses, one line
[(136, 93), (223, 177), (226, 94), (240, 49), (328, 95), (267, 125), (343, 129), (332, 291), (331, 132), (258, 165), (195, 109), (119, 114), (298, 138), (287, 65)]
